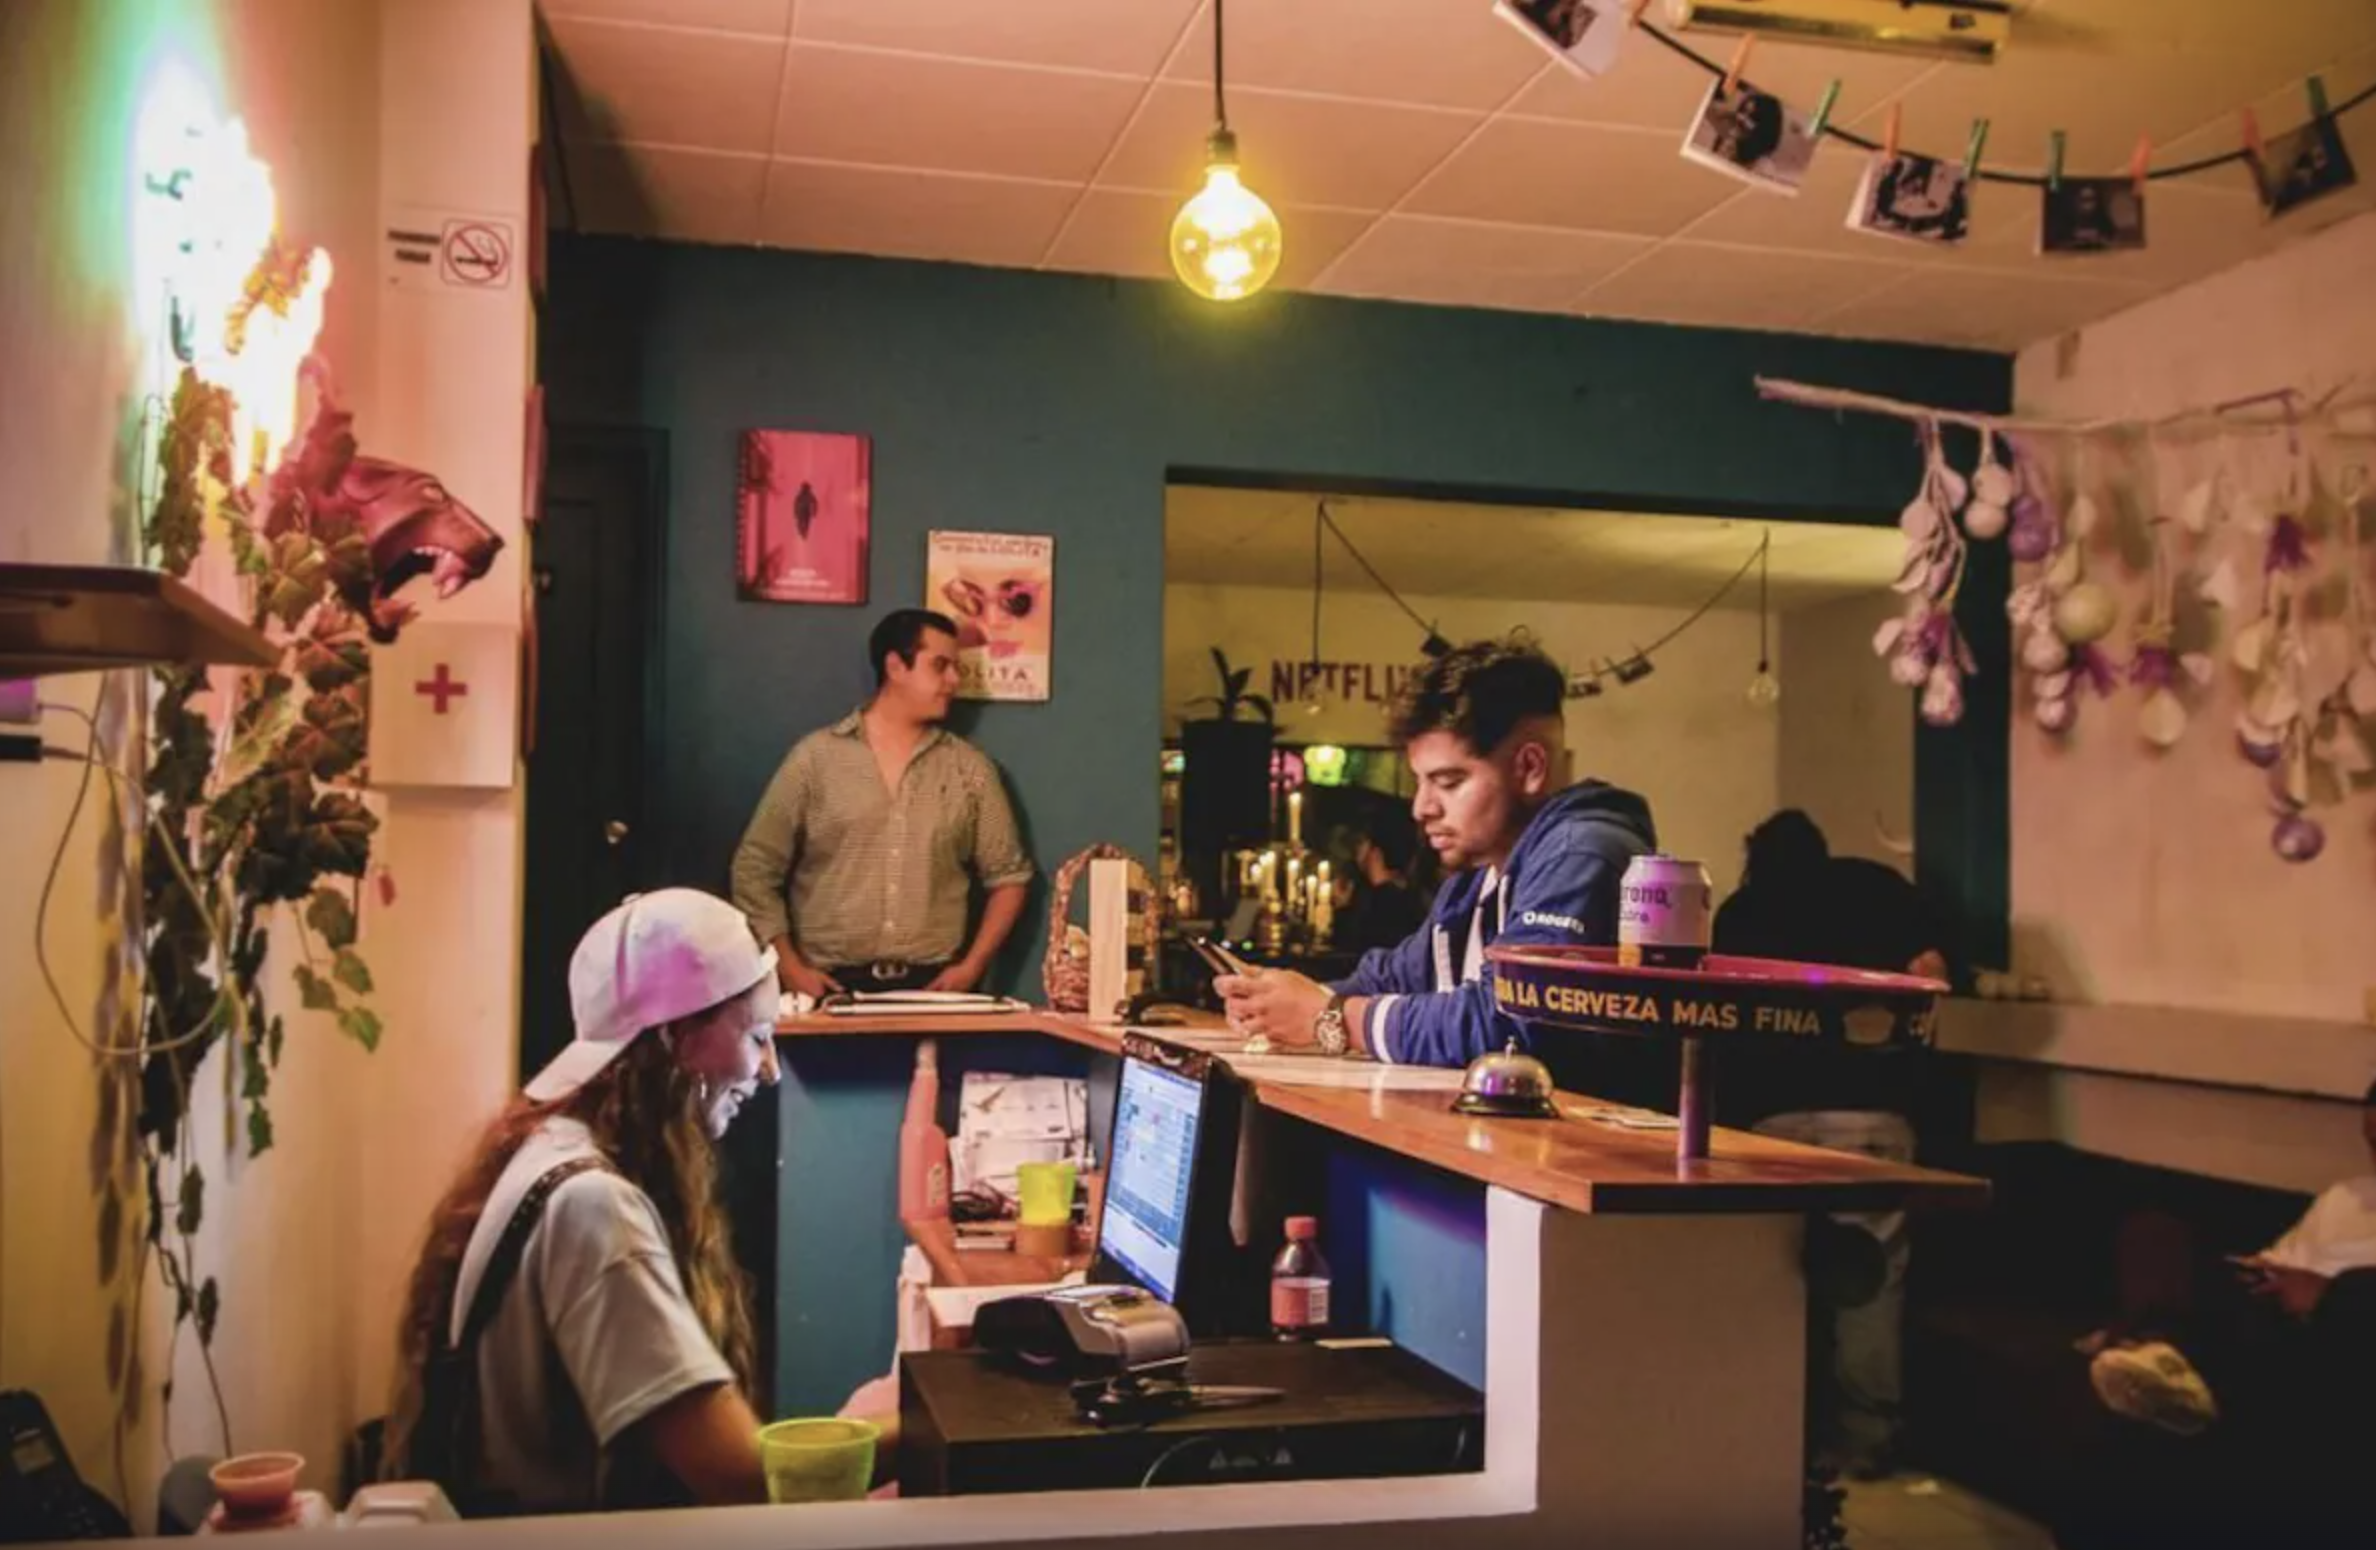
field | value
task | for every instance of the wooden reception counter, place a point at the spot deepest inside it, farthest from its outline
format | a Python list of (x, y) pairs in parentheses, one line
[(1637, 1324), (1586, 1162)]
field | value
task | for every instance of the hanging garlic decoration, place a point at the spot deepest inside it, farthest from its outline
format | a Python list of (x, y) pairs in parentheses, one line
[(1993, 489), (1923, 646), (2157, 667)]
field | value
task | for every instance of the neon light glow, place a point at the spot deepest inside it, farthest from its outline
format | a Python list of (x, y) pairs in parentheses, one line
[(213, 287)]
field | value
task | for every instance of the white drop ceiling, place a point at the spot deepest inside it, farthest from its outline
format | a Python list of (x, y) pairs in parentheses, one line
[(1421, 150), (1263, 538)]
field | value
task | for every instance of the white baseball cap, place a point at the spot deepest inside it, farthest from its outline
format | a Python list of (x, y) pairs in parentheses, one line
[(657, 957)]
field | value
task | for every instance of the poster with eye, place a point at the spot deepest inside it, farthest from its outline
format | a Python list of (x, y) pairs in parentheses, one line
[(1000, 588), (801, 513)]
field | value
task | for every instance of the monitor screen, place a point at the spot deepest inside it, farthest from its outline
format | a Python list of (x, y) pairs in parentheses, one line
[(1157, 1115)]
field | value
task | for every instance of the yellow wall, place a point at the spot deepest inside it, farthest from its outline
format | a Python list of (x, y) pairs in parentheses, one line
[(361, 108)]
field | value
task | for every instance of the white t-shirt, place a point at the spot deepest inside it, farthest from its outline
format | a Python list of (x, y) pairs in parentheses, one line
[(594, 1333), (2336, 1234)]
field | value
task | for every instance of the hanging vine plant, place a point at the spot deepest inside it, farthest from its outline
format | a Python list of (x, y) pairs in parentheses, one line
[(261, 828)]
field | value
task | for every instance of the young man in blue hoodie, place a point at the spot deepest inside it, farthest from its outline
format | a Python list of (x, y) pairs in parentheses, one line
[(1528, 862)]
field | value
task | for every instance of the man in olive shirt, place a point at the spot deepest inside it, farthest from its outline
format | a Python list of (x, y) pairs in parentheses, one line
[(858, 865)]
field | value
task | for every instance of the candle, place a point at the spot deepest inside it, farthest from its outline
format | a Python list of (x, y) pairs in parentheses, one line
[(1270, 875), (1295, 818)]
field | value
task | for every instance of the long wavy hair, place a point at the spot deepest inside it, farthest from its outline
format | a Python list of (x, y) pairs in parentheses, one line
[(645, 1115)]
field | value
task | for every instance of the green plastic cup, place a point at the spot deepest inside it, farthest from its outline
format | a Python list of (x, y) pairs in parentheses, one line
[(818, 1460), (1046, 1193)]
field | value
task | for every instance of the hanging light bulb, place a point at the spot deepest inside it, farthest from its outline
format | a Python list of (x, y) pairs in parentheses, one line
[(1225, 241), (1765, 690)]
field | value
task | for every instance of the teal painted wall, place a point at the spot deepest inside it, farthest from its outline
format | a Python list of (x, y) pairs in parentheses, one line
[(1058, 404)]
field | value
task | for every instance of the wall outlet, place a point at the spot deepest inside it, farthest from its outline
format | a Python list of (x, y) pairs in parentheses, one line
[(20, 703)]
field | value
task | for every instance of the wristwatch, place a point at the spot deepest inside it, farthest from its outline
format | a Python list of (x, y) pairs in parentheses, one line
[(1329, 1027)]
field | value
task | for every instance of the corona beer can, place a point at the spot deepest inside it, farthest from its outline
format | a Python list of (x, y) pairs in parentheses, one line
[(1662, 913)]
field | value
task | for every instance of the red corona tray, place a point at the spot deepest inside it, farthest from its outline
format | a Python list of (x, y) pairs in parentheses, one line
[(1586, 987)]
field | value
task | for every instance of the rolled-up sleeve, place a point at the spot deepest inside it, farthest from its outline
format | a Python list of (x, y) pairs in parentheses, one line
[(770, 844), (999, 859), (622, 1325)]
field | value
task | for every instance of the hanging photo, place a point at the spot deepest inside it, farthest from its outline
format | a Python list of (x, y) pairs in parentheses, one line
[(1000, 588), (1752, 135), (2301, 165), (1584, 35), (2092, 215), (801, 514), (1915, 198)]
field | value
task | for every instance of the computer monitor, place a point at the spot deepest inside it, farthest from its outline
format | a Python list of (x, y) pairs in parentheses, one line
[(1171, 1165)]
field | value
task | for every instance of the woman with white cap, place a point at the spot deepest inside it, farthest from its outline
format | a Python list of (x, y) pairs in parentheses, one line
[(577, 1333)]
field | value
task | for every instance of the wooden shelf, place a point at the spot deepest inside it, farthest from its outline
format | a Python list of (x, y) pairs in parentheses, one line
[(81, 618)]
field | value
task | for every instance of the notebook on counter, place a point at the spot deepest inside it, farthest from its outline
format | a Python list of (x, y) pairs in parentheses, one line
[(917, 1003)]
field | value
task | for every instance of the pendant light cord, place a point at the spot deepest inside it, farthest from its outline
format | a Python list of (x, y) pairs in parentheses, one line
[(1220, 102), (1317, 536), (1763, 545)]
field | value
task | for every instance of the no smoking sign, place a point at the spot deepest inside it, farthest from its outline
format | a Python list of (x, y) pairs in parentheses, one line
[(476, 255)]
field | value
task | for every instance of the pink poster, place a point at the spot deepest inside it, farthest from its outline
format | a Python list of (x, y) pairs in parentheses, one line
[(801, 517)]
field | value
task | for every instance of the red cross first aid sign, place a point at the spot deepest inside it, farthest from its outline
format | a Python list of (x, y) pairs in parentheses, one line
[(445, 706)]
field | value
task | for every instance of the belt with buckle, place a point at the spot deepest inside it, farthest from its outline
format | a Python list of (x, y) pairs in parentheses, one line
[(884, 970)]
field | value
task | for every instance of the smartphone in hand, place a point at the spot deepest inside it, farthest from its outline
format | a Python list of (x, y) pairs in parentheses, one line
[(1218, 958)]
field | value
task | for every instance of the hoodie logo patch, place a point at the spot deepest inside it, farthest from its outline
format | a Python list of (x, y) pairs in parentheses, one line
[(1563, 922)]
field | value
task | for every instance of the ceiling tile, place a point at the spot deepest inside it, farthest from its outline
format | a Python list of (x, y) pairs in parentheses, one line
[(1815, 220), (1985, 311), (904, 110), (699, 196), (1530, 172), (1476, 263), (2102, 105), (1121, 232), (1407, 51), (1653, 87), (1734, 287), (1127, 39), (761, 18), (910, 214), (663, 86), (1295, 149)]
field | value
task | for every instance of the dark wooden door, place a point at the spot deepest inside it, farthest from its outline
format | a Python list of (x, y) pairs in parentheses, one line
[(594, 566)]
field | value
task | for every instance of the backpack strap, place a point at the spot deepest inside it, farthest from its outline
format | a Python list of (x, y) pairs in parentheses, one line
[(504, 1263), (445, 1443)]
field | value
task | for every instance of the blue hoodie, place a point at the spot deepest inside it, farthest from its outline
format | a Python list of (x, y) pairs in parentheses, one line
[(1559, 888)]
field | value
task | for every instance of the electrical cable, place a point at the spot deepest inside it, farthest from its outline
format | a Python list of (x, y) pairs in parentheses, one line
[(2023, 179), (1640, 652), (90, 760), (1220, 102), (1167, 1455), (1392, 596)]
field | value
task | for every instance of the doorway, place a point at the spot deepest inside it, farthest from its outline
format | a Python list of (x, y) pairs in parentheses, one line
[(595, 570)]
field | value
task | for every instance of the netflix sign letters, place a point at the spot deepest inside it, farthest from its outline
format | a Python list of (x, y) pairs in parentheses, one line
[(1357, 683)]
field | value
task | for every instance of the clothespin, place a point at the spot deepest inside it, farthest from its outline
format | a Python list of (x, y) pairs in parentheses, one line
[(2249, 127), (2054, 159), (2316, 90), (1972, 148), (1740, 62), (1831, 95), (1889, 131), (1634, 10), (2140, 163)]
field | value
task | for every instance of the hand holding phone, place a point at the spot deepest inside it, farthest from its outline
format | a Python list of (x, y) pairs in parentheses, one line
[(1220, 959)]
